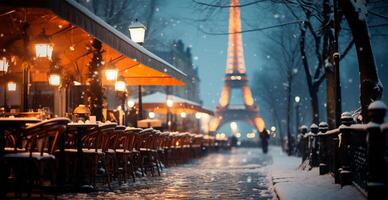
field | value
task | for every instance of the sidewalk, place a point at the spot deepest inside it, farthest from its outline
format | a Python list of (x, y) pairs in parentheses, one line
[(292, 184)]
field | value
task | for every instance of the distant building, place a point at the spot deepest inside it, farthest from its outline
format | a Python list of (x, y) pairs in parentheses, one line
[(180, 57)]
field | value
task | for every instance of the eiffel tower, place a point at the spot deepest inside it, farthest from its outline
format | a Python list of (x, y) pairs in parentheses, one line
[(236, 78)]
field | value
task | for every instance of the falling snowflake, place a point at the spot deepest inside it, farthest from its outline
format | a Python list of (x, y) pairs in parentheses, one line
[(157, 9), (195, 58)]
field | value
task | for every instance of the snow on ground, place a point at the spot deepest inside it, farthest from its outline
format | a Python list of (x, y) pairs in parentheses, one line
[(289, 183)]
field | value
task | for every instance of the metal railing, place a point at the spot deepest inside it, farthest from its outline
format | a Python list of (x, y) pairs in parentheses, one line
[(352, 153)]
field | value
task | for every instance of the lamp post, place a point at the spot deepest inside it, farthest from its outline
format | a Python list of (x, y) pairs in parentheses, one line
[(198, 116), (137, 32), (297, 107), (132, 116), (170, 104), (121, 88)]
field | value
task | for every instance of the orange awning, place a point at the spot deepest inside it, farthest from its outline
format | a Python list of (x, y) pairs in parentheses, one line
[(71, 28)]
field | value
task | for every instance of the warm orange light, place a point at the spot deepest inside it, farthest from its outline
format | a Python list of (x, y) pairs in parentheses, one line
[(259, 123), (224, 100), (183, 115), (11, 86), (247, 96)]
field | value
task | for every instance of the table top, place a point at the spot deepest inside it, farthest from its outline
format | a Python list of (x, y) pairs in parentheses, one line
[(18, 120)]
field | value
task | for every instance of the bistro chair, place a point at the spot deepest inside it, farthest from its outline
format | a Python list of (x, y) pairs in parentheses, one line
[(130, 151), (148, 153), (33, 161)]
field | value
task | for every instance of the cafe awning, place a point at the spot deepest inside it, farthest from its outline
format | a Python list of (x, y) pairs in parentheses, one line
[(71, 28), (156, 102)]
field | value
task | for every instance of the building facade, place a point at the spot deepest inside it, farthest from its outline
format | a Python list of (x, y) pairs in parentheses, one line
[(180, 57)]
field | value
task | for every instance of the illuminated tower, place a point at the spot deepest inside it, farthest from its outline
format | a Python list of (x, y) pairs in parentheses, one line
[(236, 79)]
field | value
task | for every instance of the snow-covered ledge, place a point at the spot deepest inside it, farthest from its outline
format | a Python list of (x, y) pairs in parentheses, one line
[(290, 183)]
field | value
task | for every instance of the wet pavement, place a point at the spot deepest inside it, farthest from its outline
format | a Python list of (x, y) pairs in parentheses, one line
[(236, 174)]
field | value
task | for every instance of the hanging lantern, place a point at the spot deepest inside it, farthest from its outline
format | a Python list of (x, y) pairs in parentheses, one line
[(4, 65), (137, 32), (43, 46), (11, 86), (120, 86), (111, 73), (54, 79)]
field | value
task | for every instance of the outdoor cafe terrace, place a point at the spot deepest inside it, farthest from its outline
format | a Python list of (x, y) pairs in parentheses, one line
[(57, 56)]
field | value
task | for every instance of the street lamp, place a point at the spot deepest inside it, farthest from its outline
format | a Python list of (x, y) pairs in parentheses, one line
[(297, 99), (121, 88), (273, 128), (290, 141), (137, 32), (297, 105), (170, 104), (198, 116), (43, 46)]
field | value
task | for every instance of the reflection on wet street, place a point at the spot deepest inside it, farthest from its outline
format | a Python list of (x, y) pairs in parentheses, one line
[(237, 174)]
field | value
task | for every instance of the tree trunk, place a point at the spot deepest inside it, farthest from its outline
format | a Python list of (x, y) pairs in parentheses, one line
[(289, 139), (371, 88), (315, 107), (312, 90)]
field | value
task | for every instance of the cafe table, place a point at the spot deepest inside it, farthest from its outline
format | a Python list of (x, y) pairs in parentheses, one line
[(80, 129), (15, 124)]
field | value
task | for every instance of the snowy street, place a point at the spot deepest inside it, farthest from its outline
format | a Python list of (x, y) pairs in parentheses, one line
[(238, 174), (242, 173)]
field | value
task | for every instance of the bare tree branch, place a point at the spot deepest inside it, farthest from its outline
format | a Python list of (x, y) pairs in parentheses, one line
[(252, 30), (227, 6), (347, 49)]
